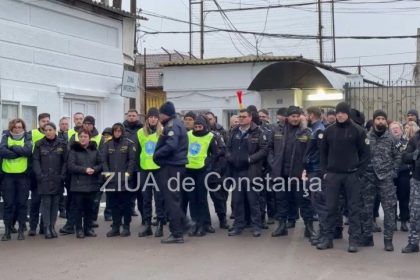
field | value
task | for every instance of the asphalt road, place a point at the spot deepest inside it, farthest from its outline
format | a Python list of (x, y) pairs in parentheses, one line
[(215, 256)]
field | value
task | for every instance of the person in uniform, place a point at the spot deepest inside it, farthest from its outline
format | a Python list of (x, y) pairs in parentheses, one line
[(344, 155), (147, 138), (286, 157), (245, 153), (202, 151), (119, 160), (171, 155), (378, 179), (37, 134), (50, 168), (15, 151)]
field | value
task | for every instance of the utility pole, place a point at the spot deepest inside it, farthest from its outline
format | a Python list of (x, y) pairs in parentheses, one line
[(202, 29), (320, 31), (201, 25)]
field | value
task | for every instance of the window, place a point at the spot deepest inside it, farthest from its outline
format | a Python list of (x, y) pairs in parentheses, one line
[(8, 112), (11, 111), (30, 117)]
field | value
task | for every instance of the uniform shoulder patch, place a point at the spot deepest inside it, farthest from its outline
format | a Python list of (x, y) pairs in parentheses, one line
[(171, 133), (320, 135), (367, 142)]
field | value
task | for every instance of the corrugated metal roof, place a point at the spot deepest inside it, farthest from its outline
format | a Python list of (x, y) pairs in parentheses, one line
[(231, 60), (102, 6)]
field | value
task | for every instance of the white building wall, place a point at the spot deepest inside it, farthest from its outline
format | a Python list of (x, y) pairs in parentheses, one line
[(50, 53), (211, 87)]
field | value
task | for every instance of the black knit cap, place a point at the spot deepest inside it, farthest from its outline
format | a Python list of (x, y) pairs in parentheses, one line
[(190, 114), (107, 130), (343, 107), (252, 108), (413, 112), (282, 112), (380, 113), (292, 110), (168, 108), (152, 112), (89, 119), (200, 120), (357, 116)]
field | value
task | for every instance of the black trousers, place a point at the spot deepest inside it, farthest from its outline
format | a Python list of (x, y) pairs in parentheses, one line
[(150, 192), (301, 198), (49, 209), (71, 220), (120, 206), (172, 197), (241, 197), (35, 205), (83, 209), (319, 202), (199, 206), (219, 199), (15, 191), (293, 209), (333, 183), (403, 194), (138, 196)]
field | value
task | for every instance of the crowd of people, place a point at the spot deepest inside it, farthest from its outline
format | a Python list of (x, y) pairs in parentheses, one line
[(359, 164)]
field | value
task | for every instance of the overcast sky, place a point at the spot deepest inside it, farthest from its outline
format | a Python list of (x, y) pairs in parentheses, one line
[(370, 19)]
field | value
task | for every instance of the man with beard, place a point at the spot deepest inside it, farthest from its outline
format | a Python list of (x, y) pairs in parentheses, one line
[(286, 154), (344, 154), (378, 178), (132, 125)]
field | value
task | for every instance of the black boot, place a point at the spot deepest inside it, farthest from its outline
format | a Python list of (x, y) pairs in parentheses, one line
[(159, 230), (264, 223), (404, 226), (366, 241), (410, 248), (281, 229), (324, 244), (126, 231), (388, 245), (291, 223), (309, 229), (66, 230), (193, 230), (223, 222), (80, 234), (7, 234), (41, 230), (95, 224), (352, 247), (147, 231), (115, 231), (90, 233), (13, 230), (200, 232), (48, 233), (209, 229), (32, 232), (172, 240), (53, 232), (234, 232), (21, 233)]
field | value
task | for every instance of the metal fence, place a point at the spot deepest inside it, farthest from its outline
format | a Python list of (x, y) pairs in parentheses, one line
[(394, 99)]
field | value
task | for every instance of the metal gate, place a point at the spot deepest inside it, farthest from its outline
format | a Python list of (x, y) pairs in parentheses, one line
[(395, 100)]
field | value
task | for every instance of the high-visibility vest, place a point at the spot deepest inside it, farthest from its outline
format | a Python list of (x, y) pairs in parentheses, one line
[(148, 146), (96, 139), (17, 165), (70, 133), (197, 150), (36, 136)]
